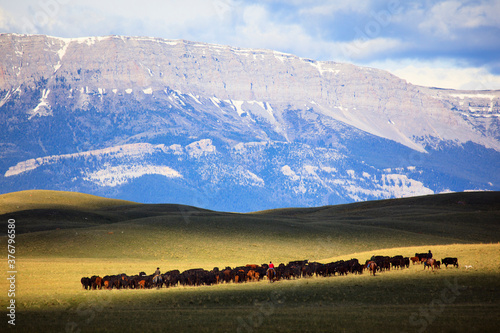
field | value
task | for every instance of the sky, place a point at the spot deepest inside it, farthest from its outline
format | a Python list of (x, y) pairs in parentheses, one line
[(438, 43)]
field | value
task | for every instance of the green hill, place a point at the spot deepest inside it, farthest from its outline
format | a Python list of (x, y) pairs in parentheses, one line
[(63, 236), (44, 199), (62, 224)]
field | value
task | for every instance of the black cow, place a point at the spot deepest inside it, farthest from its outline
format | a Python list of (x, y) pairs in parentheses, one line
[(193, 277), (383, 262), (111, 281), (86, 283), (450, 261), (171, 278), (357, 268), (406, 262), (421, 256)]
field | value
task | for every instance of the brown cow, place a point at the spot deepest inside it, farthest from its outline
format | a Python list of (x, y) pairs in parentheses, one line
[(96, 282), (253, 275), (227, 275)]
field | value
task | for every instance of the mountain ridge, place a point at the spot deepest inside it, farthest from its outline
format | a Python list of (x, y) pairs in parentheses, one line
[(300, 72), (109, 115)]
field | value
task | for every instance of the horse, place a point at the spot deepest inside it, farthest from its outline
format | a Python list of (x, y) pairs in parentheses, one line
[(271, 275), (431, 263), (157, 281), (372, 266)]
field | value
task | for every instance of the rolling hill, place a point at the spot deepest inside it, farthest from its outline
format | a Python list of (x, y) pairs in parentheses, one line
[(63, 236), (176, 233)]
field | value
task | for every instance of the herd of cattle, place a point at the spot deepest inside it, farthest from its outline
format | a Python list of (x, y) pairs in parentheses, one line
[(292, 270)]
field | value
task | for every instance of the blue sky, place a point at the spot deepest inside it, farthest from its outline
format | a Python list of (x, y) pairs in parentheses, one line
[(447, 44)]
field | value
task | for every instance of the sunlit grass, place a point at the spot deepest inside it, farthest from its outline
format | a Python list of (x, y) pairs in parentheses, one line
[(50, 288), (37, 199), (50, 264)]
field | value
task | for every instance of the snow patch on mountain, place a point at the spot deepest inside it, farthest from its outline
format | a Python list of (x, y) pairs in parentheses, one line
[(199, 148), (112, 176), (287, 171), (43, 107), (245, 177), (135, 150), (389, 186), (61, 53)]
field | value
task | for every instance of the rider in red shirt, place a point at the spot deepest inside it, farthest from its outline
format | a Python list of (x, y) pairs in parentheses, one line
[(271, 265)]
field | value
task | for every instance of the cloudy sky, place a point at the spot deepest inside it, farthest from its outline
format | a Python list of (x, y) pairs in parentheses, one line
[(440, 43)]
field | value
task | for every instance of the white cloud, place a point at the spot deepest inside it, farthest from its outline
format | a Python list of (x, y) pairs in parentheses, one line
[(445, 18), (331, 8), (363, 49), (442, 74), (257, 30)]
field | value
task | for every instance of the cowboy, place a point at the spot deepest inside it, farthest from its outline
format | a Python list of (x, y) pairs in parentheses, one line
[(157, 276), (429, 255), (271, 265)]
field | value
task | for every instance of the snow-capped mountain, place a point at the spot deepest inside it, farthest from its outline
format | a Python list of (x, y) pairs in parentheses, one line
[(220, 127)]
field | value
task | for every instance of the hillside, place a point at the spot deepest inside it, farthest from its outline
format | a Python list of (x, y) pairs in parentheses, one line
[(179, 233), (69, 235), (41, 199)]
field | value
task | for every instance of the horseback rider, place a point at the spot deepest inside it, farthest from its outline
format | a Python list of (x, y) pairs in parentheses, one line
[(271, 273), (429, 255), (271, 265), (157, 275)]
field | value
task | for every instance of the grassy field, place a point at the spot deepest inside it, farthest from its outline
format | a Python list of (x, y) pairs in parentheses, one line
[(58, 243)]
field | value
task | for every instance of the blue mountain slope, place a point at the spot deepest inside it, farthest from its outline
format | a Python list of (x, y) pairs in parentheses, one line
[(231, 129)]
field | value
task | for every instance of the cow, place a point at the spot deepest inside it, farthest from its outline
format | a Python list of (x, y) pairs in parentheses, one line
[(86, 283), (110, 281), (240, 274), (141, 284), (321, 269), (406, 262), (253, 275), (171, 278), (397, 262), (96, 282), (383, 262), (415, 260), (124, 281), (450, 261), (422, 256), (228, 275)]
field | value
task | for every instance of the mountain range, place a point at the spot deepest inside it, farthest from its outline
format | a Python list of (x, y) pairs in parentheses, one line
[(225, 128)]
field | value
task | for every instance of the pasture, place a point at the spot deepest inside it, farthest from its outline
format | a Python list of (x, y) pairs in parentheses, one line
[(129, 238)]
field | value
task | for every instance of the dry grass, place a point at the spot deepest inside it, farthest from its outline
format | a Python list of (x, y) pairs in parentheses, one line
[(50, 296), (129, 239)]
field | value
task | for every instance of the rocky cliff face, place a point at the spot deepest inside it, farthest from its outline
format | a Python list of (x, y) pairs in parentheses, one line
[(107, 115)]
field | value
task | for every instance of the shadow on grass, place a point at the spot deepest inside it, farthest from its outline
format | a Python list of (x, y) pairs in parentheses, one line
[(391, 302)]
